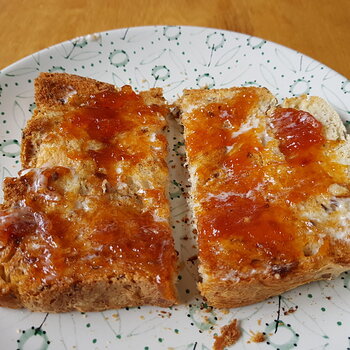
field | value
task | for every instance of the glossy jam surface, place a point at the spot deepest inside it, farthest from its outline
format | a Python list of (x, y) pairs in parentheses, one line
[(249, 194), (299, 133), (218, 121), (87, 241), (15, 226), (71, 227), (106, 114), (211, 129), (103, 119)]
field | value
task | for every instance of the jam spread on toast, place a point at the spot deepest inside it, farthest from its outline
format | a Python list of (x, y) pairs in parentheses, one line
[(70, 227), (252, 173)]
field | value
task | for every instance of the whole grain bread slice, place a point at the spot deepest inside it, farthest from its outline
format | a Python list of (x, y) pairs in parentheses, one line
[(270, 192), (86, 225)]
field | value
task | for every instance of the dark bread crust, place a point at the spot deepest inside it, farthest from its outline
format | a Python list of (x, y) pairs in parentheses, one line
[(97, 295), (52, 89), (229, 293)]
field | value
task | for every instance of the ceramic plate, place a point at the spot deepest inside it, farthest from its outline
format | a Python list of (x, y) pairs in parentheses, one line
[(315, 316)]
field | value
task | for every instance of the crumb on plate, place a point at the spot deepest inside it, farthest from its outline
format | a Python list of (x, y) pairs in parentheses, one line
[(256, 337), (229, 336)]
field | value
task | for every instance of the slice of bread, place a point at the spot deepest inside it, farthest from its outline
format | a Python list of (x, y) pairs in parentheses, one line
[(86, 225), (270, 192)]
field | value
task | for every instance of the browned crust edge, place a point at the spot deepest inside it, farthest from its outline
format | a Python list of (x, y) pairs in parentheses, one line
[(230, 293)]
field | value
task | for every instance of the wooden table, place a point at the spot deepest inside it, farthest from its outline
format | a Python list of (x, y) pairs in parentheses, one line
[(318, 28)]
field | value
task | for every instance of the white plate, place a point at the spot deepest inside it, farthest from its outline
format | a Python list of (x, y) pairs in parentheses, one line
[(176, 58)]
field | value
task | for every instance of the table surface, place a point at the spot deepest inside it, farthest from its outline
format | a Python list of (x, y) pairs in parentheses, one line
[(318, 28)]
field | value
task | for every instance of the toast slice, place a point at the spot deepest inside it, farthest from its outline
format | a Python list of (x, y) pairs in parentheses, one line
[(270, 192), (86, 225)]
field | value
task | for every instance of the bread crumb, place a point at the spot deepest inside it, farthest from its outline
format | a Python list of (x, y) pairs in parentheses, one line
[(192, 259), (259, 321), (257, 337), (185, 219), (116, 316), (164, 314), (229, 336), (206, 319), (290, 310), (225, 311)]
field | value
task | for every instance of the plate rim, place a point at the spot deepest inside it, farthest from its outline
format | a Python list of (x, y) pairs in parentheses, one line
[(114, 30)]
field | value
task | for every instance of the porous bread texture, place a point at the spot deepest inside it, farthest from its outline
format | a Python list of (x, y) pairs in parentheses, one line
[(56, 95), (330, 212)]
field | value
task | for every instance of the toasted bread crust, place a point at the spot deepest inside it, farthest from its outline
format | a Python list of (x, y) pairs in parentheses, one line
[(91, 295), (228, 294), (53, 90), (111, 285), (229, 288)]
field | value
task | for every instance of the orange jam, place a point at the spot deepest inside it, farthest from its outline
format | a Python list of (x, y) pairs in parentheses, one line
[(103, 118), (89, 242), (214, 117), (248, 193), (13, 227), (299, 133)]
